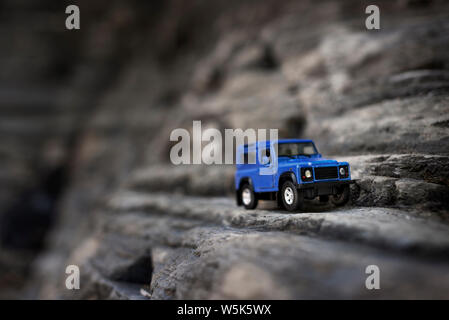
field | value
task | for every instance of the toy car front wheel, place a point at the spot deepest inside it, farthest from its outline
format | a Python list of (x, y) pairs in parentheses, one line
[(342, 197), (292, 199), (248, 196)]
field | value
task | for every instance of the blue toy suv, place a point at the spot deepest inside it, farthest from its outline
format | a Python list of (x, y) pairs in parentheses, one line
[(295, 173)]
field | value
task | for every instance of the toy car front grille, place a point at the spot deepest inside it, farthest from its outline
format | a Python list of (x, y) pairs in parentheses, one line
[(324, 173)]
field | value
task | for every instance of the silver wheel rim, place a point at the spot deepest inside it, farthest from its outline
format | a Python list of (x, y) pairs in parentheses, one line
[(289, 195), (246, 196)]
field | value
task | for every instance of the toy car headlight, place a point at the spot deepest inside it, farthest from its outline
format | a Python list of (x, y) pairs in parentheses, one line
[(344, 171), (308, 174)]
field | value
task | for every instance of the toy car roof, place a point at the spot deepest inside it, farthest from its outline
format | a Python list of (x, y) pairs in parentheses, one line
[(267, 143)]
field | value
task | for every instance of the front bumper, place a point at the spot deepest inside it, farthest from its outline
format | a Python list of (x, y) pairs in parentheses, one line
[(324, 188)]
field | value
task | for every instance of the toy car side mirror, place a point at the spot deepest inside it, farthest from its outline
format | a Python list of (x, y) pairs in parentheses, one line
[(265, 160)]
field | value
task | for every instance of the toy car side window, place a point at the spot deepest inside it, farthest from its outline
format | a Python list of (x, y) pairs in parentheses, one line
[(245, 158), (265, 152)]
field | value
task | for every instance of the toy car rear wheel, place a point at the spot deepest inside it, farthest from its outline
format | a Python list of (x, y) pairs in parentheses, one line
[(249, 198), (292, 199), (342, 197)]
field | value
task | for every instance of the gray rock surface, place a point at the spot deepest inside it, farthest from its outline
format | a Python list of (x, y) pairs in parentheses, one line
[(205, 248), (85, 126)]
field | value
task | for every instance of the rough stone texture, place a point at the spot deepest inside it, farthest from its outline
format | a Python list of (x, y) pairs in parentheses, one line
[(205, 248), (85, 148)]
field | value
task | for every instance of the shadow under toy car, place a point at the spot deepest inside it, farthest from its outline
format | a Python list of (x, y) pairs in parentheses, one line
[(295, 173)]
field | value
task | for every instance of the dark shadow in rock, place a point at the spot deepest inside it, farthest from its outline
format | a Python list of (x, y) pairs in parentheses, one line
[(417, 3), (141, 271), (441, 124), (309, 206), (295, 126), (169, 98), (268, 60), (215, 79), (26, 223)]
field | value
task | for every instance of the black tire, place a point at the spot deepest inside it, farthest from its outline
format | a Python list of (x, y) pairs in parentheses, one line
[(324, 199), (342, 197), (245, 191), (292, 199)]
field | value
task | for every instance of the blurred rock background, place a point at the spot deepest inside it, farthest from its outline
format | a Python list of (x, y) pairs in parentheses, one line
[(86, 117)]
